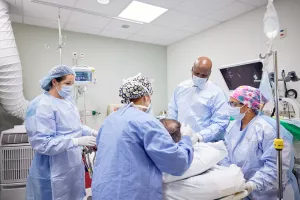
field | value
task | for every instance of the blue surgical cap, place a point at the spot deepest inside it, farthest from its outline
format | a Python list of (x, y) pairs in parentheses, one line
[(56, 72)]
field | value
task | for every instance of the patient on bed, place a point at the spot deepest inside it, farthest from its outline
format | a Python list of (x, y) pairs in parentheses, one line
[(173, 127), (204, 179)]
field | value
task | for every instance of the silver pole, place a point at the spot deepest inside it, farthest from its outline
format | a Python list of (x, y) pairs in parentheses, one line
[(59, 38), (84, 103), (279, 152)]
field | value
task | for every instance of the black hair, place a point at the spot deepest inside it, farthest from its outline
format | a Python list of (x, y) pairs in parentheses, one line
[(173, 127), (58, 79)]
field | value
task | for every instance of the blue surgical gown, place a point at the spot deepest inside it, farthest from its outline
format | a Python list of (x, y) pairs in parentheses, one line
[(133, 150), (204, 110), (252, 149), (57, 170)]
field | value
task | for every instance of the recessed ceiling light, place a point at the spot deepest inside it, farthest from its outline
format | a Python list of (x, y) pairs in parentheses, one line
[(103, 1), (142, 12)]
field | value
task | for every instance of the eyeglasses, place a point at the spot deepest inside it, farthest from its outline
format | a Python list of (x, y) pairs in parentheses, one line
[(235, 104)]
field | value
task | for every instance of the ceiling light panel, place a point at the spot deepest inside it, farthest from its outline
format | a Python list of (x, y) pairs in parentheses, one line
[(142, 12)]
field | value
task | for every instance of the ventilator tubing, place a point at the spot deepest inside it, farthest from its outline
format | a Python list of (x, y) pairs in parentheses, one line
[(11, 82)]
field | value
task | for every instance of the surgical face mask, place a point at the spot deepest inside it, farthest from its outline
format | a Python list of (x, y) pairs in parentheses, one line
[(65, 91), (199, 82), (149, 109), (235, 112)]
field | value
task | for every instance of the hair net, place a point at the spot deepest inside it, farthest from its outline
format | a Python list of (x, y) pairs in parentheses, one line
[(249, 96), (135, 87), (56, 72)]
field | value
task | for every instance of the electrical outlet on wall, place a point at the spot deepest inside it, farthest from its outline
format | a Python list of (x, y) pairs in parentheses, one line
[(88, 113), (82, 56), (282, 33)]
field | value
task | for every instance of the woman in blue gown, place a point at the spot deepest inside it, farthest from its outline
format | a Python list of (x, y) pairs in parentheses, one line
[(249, 139)]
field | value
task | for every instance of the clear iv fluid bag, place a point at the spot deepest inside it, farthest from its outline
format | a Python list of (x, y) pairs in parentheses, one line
[(271, 21)]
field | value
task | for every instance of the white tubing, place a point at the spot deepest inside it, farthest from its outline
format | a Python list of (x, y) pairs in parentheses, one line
[(11, 83)]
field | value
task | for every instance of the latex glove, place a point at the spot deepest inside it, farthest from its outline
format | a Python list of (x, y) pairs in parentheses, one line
[(195, 138), (89, 141), (250, 186), (200, 138), (94, 133), (237, 196), (186, 130)]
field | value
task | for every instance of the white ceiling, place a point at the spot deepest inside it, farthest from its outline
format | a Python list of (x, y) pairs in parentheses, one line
[(183, 19)]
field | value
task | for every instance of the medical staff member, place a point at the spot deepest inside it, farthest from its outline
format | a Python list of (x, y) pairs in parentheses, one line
[(55, 133), (201, 104), (249, 141), (134, 149)]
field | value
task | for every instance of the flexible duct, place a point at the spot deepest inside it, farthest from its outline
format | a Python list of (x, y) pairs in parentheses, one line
[(11, 83)]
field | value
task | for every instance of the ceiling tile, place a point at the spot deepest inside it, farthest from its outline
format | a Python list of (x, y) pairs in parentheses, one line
[(200, 25), (175, 20), (44, 12), (256, 3), (16, 18), (114, 34), (82, 29), (116, 25), (70, 3), (114, 8), (202, 7), (84, 19), (154, 31), (41, 22), (168, 4), (231, 11), (178, 35), (140, 38)]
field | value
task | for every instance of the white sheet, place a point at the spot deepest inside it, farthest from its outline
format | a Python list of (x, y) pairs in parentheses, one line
[(206, 155), (213, 184)]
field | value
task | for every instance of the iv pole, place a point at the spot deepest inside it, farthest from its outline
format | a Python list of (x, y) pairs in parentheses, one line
[(278, 142), (60, 45)]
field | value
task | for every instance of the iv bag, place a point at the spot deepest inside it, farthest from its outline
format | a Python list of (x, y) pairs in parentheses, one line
[(271, 21)]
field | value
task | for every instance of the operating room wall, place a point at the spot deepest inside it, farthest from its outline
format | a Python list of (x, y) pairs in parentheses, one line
[(113, 60), (238, 40)]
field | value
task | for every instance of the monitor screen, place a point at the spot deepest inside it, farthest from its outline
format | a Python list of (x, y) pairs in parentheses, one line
[(242, 74), (83, 76)]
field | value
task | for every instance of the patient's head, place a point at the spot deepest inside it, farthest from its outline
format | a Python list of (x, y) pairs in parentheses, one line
[(173, 127)]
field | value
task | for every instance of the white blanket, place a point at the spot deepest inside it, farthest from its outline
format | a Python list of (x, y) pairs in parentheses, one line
[(206, 155), (213, 184)]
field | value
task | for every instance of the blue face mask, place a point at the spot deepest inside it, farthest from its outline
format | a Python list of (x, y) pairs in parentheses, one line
[(146, 109), (199, 82), (235, 112), (149, 109), (65, 91)]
